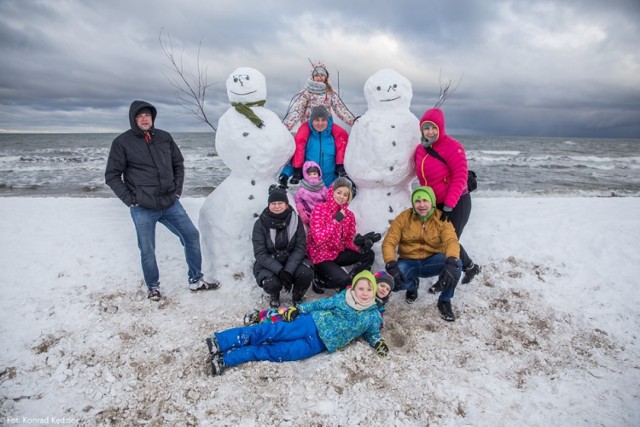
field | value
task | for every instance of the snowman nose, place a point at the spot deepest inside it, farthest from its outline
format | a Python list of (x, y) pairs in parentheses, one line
[(392, 88)]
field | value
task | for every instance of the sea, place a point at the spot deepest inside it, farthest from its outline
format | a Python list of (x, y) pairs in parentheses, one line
[(72, 165)]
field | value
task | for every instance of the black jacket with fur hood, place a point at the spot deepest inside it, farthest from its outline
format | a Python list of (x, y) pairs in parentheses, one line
[(147, 174)]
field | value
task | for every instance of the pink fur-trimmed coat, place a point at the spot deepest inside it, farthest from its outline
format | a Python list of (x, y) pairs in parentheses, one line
[(307, 199), (449, 181), (327, 237)]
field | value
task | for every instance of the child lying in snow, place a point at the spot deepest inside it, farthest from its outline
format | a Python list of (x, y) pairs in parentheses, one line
[(326, 324)]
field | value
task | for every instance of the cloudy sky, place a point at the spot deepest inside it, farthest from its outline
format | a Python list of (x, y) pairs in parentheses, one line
[(557, 68)]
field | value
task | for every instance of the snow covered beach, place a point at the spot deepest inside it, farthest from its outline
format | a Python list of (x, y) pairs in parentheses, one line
[(547, 335)]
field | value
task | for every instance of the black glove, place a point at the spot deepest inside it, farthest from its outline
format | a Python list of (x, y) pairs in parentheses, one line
[(373, 236), (296, 177), (382, 348), (286, 279), (340, 170), (291, 314), (393, 269), (362, 242), (283, 179), (449, 274), (339, 216), (445, 215)]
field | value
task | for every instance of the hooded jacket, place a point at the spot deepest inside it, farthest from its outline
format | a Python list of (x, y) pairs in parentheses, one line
[(148, 174), (416, 238), (307, 199), (327, 237), (338, 323), (449, 181)]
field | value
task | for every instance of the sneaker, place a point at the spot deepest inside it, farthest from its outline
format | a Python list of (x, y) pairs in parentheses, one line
[(412, 296), (470, 273), (252, 317), (436, 288), (154, 295), (217, 364), (445, 311), (274, 301), (212, 344), (201, 285)]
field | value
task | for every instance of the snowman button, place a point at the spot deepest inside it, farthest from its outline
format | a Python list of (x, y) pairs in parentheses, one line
[(245, 133), (393, 126), (253, 182), (251, 197), (393, 143), (248, 157)]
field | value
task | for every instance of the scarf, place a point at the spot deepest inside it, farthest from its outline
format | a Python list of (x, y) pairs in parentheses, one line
[(317, 88), (426, 143), (355, 303), (312, 186), (245, 110), (279, 223)]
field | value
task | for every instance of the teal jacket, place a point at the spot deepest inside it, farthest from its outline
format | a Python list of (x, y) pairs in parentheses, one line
[(338, 323)]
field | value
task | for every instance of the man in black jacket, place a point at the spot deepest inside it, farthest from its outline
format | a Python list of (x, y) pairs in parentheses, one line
[(145, 170)]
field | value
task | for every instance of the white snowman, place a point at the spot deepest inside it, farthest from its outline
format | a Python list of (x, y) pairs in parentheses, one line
[(255, 145), (380, 152)]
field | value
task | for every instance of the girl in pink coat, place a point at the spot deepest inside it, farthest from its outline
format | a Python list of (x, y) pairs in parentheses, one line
[(311, 192), (330, 243), (447, 177)]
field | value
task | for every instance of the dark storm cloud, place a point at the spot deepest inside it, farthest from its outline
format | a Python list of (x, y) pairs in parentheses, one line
[(538, 68)]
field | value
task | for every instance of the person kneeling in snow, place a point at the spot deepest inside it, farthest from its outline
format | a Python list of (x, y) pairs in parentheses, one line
[(327, 324), (427, 246), (279, 246)]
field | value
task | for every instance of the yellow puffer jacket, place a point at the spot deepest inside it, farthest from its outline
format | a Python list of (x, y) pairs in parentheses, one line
[(417, 240)]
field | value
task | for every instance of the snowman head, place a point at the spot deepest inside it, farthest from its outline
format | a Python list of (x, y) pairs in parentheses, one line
[(246, 85), (388, 89)]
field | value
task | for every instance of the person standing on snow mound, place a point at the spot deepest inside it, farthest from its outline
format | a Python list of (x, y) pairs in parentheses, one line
[(331, 240), (145, 169), (426, 246), (319, 146), (317, 92), (311, 328), (447, 176), (279, 246)]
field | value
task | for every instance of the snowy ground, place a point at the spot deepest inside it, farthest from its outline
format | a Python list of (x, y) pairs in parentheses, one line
[(546, 335)]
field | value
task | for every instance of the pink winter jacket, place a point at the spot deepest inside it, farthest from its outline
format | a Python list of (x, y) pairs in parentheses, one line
[(327, 237), (307, 199), (449, 181)]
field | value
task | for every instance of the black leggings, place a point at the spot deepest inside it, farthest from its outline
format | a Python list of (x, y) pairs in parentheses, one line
[(459, 218), (332, 274)]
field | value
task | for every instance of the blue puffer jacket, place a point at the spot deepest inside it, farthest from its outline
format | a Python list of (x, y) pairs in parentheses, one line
[(338, 323)]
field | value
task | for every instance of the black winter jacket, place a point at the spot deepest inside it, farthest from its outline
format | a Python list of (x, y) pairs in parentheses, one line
[(145, 174), (267, 258)]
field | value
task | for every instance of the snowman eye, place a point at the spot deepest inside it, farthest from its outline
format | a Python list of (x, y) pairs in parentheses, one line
[(379, 88), (395, 86)]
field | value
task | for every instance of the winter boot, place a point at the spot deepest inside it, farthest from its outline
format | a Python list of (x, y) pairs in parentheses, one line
[(470, 272), (212, 344), (445, 311), (412, 296), (317, 285), (217, 364), (274, 300), (154, 295), (436, 288), (201, 285)]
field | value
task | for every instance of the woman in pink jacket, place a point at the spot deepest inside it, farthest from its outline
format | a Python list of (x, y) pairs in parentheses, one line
[(447, 176), (330, 244)]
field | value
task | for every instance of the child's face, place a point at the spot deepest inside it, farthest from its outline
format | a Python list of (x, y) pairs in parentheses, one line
[(313, 175), (320, 124), (341, 195), (383, 290), (363, 291)]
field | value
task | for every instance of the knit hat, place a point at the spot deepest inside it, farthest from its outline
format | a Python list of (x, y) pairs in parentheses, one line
[(313, 169), (425, 193), (319, 68), (384, 277), (365, 274), (319, 112), (277, 194), (343, 182), (144, 110)]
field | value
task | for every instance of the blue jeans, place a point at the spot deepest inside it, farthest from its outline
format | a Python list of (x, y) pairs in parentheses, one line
[(175, 218), (413, 269), (276, 342)]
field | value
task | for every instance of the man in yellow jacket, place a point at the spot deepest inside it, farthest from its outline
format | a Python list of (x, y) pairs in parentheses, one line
[(426, 247)]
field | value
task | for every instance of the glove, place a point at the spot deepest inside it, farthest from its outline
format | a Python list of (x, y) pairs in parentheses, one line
[(362, 242), (373, 236), (446, 214), (286, 279), (449, 274), (340, 170), (283, 179), (296, 177), (382, 348), (291, 314), (393, 269)]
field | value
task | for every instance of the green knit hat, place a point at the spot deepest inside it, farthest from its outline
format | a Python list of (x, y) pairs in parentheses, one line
[(424, 193)]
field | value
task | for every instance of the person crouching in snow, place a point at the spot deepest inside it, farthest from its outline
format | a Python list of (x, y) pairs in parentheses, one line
[(279, 247), (321, 147), (330, 240), (427, 246), (311, 192), (326, 324)]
